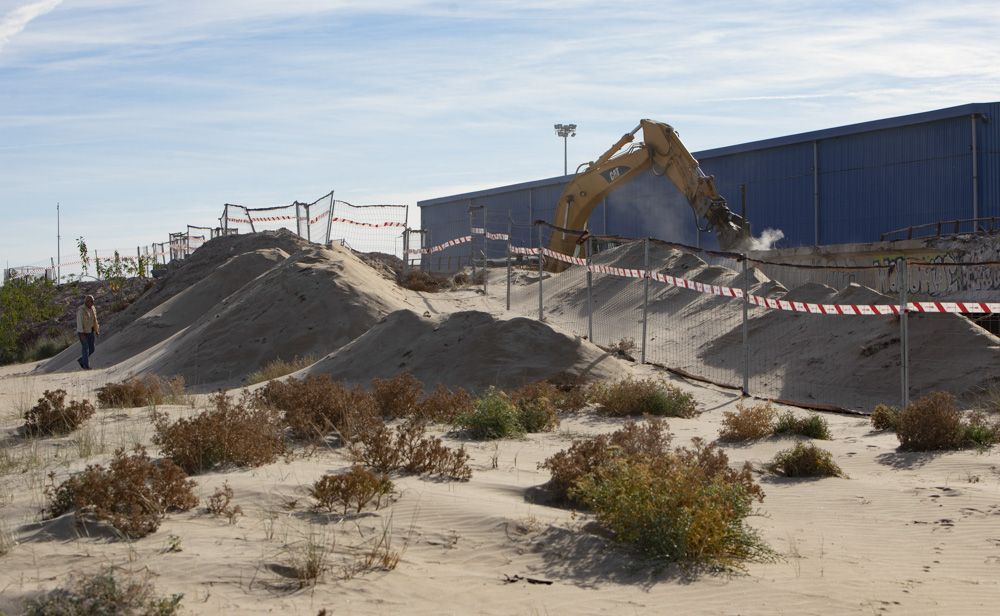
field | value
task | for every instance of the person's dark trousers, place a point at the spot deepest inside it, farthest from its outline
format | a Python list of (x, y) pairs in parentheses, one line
[(87, 342)]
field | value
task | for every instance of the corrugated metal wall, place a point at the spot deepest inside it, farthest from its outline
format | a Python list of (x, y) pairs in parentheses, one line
[(871, 178)]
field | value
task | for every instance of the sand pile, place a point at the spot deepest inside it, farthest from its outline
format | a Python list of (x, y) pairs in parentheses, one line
[(845, 361), (469, 349)]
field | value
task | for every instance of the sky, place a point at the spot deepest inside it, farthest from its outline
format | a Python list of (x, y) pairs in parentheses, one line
[(140, 117)]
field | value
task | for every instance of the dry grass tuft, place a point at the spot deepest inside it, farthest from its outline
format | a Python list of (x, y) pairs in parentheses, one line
[(419, 280), (353, 489), (148, 390), (132, 494), (805, 460), (278, 368), (748, 423), (52, 416), (631, 396), (104, 594), (237, 434), (220, 503)]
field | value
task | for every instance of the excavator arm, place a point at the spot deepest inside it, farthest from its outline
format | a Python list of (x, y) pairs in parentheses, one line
[(663, 152)]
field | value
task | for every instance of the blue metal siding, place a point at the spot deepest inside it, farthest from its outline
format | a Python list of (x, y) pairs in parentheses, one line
[(877, 181), (988, 147), (779, 185), (873, 177)]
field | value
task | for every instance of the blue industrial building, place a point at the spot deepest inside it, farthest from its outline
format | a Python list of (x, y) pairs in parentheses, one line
[(833, 186)]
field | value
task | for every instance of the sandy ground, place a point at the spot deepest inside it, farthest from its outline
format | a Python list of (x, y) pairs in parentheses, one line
[(906, 533)]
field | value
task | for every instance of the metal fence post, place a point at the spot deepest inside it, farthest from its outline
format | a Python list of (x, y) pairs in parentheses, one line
[(904, 334), (645, 296), (510, 230), (541, 314), (746, 327), (406, 249), (486, 250), (590, 290), (472, 244)]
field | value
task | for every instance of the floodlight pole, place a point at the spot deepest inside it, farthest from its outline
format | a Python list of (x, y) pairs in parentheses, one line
[(565, 131)]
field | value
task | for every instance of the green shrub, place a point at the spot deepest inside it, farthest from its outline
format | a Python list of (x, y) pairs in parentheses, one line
[(132, 494), (979, 432), (639, 441), (805, 460), (812, 426), (931, 423), (104, 594), (52, 416), (24, 301), (277, 368), (631, 396), (492, 416), (748, 423), (48, 346), (237, 434), (537, 415), (355, 488), (885, 417), (686, 506)]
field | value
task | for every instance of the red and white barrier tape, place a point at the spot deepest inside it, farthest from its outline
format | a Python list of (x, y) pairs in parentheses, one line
[(314, 220), (497, 236), (440, 247), (477, 231), (368, 224), (520, 250)]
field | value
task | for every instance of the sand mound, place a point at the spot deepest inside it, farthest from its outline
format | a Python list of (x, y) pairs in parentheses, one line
[(315, 301), (180, 310), (468, 349)]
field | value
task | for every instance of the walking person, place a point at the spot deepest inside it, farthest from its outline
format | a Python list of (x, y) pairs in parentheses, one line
[(87, 328)]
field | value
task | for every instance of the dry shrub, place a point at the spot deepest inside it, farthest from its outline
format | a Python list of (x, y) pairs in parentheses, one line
[(567, 399), (419, 280), (141, 391), (238, 433), (641, 441), (132, 494), (536, 406), (220, 503), (631, 396), (444, 404), (748, 423), (805, 460), (684, 506), (885, 417), (316, 407), (104, 594), (406, 449), (812, 426), (278, 368), (355, 488), (398, 396), (52, 416), (931, 423)]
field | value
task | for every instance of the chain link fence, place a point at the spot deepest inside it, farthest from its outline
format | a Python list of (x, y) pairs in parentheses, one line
[(818, 337)]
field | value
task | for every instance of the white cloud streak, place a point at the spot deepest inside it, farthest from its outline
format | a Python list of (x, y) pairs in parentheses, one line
[(14, 22)]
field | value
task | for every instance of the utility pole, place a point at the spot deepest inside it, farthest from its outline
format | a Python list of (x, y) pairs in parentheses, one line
[(58, 246), (565, 131)]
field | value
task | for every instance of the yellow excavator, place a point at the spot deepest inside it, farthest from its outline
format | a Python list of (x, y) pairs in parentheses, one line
[(662, 151)]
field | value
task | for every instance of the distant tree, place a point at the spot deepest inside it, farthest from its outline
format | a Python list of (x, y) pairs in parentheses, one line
[(23, 302)]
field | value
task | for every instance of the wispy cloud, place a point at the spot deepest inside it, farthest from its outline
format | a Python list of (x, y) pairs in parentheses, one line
[(14, 22), (154, 105)]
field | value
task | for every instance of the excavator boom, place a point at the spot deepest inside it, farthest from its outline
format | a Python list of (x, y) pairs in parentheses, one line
[(663, 152)]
